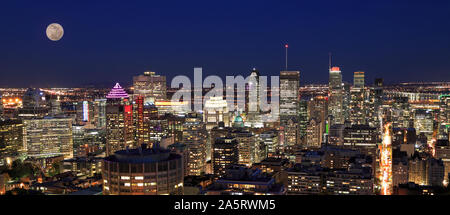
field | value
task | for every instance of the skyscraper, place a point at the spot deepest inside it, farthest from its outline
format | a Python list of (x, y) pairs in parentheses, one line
[(225, 155), (119, 120), (195, 137), (143, 114), (11, 138), (48, 137), (289, 96), (358, 80), (335, 108), (151, 86), (289, 111), (215, 111), (357, 100)]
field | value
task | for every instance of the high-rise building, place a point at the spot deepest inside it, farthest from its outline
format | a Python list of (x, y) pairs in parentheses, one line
[(303, 119), (217, 132), (85, 113), (78, 139), (48, 137), (357, 100), (225, 154), (424, 122), (252, 89), (375, 103), (151, 86), (119, 121), (215, 111), (143, 171), (270, 140), (34, 104), (289, 95), (335, 107), (195, 137), (443, 153), (426, 171), (143, 113), (11, 138), (358, 80), (314, 133), (247, 146), (291, 140), (100, 113), (362, 138)]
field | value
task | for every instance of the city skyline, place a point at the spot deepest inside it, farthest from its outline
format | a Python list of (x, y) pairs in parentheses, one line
[(384, 39), (237, 99)]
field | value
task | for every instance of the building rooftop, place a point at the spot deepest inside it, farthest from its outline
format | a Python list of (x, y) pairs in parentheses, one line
[(143, 155)]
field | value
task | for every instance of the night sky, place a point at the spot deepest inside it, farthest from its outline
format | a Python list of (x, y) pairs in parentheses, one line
[(109, 41)]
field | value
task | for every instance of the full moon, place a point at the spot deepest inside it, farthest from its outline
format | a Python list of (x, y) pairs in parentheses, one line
[(55, 32)]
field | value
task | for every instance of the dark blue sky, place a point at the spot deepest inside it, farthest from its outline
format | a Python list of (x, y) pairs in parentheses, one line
[(110, 41)]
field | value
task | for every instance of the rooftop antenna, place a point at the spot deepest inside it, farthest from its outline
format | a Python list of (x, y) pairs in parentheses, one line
[(329, 60), (286, 47)]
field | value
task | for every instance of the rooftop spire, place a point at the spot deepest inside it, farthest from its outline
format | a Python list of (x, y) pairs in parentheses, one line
[(117, 92)]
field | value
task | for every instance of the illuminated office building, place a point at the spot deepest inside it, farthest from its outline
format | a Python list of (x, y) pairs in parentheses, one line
[(55, 107), (426, 171), (143, 114), (270, 140), (315, 180), (181, 149), (83, 166), (335, 107), (100, 113), (357, 100), (314, 133), (78, 139), (239, 180), (398, 111), (246, 146), (215, 111), (217, 132), (289, 95), (143, 171), (85, 113), (303, 118), (358, 80), (34, 104), (119, 121), (195, 137), (443, 153), (444, 109), (375, 103), (424, 122), (362, 138), (291, 140), (225, 154), (252, 89), (48, 137), (11, 138), (151, 86)]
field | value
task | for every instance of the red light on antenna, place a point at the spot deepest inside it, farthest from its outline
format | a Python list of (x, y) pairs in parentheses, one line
[(286, 46)]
